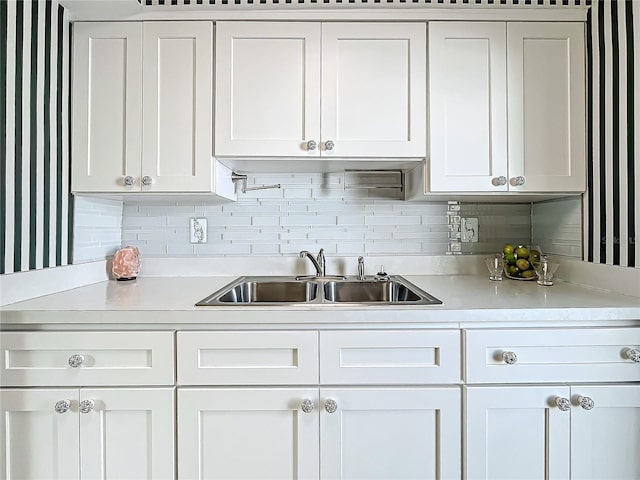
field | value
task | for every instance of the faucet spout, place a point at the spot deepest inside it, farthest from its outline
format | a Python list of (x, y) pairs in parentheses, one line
[(320, 264), (316, 265), (361, 268)]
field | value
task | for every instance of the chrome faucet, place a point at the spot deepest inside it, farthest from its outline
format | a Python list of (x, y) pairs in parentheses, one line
[(319, 263), (360, 268)]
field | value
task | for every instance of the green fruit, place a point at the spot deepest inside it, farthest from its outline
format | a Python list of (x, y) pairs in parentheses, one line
[(522, 252), (512, 270), (523, 264), (534, 256), (510, 258), (528, 274), (508, 249)]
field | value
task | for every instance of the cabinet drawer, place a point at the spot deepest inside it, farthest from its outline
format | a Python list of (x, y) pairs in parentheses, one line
[(390, 357), (100, 358), (247, 358), (552, 355)]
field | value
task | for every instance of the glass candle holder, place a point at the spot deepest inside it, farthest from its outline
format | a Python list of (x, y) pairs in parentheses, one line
[(495, 265), (545, 271)]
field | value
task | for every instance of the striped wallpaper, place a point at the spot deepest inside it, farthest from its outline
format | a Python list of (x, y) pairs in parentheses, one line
[(612, 205), (35, 204)]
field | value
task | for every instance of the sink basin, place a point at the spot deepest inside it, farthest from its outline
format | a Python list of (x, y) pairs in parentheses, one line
[(318, 290), (390, 291), (263, 290)]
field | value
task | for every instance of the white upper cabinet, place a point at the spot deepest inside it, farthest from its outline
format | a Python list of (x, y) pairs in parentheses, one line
[(312, 89), (374, 89), (107, 106), (143, 107), (267, 88), (545, 72), (468, 106), (178, 103), (507, 107)]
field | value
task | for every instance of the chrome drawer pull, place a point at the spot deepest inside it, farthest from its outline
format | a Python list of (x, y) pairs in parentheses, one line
[(509, 358), (76, 360), (585, 402), (87, 406), (330, 405), (307, 405), (563, 404), (62, 406), (632, 354)]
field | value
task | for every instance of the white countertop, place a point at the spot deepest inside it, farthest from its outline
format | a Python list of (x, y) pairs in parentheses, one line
[(164, 301)]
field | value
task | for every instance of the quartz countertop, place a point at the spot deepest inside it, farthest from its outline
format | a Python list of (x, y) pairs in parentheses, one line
[(164, 301)]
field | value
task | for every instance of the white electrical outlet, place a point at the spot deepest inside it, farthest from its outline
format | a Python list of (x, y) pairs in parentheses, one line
[(469, 230), (198, 230)]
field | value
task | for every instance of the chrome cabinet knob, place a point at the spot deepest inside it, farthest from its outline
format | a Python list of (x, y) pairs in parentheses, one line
[(329, 145), (499, 181), (307, 405), (509, 358), (330, 405), (147, 180), (563, 404), (311, 145), (62, 406), (76, 360), (87, 406), (516, 181), (585, 402), (632, 354), (129, 181)]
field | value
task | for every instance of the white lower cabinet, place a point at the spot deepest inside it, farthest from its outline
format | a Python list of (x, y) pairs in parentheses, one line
[(247, 433), (303, 433), (390, 433), (588, 432), (35, 441), (558, 403), (319, 405), (516, 433), (87, 424), (605, 439), (65, 434)]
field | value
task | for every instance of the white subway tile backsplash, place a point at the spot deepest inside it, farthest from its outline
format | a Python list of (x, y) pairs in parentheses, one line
[(392, 220), (265, 249), (311, 219), (350, 219), (297, 193), (265, 220), (97, 228), (312, 211)]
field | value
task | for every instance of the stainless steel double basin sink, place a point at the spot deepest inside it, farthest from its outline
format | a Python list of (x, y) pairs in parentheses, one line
[(393, 290)]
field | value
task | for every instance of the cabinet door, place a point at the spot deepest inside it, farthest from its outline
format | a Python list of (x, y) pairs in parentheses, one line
[(177, 104), (247, 433), (374, 89), (546, 106), (267, 88), (605, 439), (516, 432), (383, 433), (129, 433), (107, 106), (468, 106), (35, 440)]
